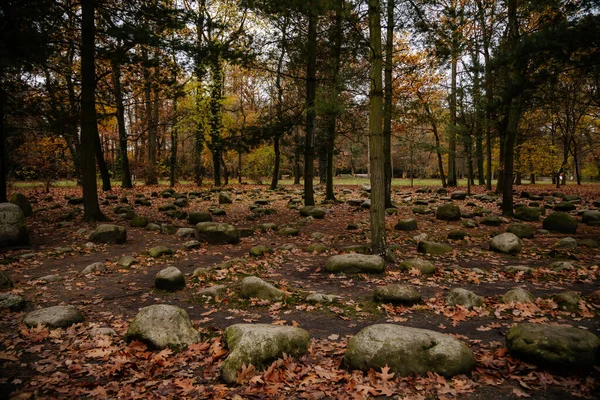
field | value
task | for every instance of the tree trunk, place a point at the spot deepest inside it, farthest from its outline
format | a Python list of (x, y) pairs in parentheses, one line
[(438, 150), (174, 139), (3, 164), (311, 115), (453, 124), (106, 187), (387, 107), (376, 141), (89, 127), (199, 73), (277, 152), (216, 122)]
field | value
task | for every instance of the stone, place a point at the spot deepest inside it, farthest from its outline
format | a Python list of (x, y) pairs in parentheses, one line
[(409, 224), (469, 223), (181, 202), (213, 291), (565, 206), (567, 301), (12, 302), (520, 230), (170, 279), (397, 294), (13, 231), (320, 298), (54, 317), (448, 212), (159, 251), (258, 344), (515, 269), (529, 214), (354, 263), (507, 243), (95, 267), (589, 243), (565, 348), (50, 278), (458, 195), (317, 247), (139, 222), (254, 287), (225, 198), (491, 220), (218, 212), (366, 204), (391, 211), (192, 244), (425, 266), (288, 231), (105, 330), (167, 229), (217, 233), (463, 297), (567, 243), (195, 217), (312, 211), (185, 232), (126, 262), (457, 235), (408, 351), (153, 227), (260, 250), (5, 281), (560, 222), (108, 233), (591, 217), (558, 266), (162, 325), (518, 295), (357, 248), (433, 248), (22, 202)]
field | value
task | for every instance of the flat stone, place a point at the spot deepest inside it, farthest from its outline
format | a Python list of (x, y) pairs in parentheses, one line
[(567, 243), (433, 248), (409, 224), (195, 217), (522, 231), (95, 267), (254, 287), (126, 262), (12, 301), (559, 266), (514, 269), (320, 298), (159, 251), (408, 351), (312, 211), (192, 244), (518, 295), (54, 317), (397, 293), (591, 217), (426, 267), (463, 297), (108, 233), (317, 247), (353, 263), (213, 291), (259, 344), (448, 212), (106, 331), (217, 233), (260, 250)]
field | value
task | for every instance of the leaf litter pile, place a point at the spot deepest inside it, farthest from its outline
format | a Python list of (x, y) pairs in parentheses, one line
[(77, 363)]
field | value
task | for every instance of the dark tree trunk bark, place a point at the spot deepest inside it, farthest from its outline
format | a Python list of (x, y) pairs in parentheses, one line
[(106, 187), (277, 151), (387, 107), (216, 123), (174, 140), (3, 164), (311, 115)]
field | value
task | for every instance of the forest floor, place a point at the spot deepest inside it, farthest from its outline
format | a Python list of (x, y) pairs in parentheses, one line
[(71, 363)]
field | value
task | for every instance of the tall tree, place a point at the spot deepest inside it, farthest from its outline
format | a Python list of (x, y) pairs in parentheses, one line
[(388, 102), (311, 114)]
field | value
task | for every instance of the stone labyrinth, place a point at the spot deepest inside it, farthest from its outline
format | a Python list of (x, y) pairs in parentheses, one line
[(245, 293)]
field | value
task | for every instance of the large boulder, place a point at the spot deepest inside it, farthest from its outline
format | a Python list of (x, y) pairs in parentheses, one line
[(162, 325), (448, 212), (560, 222), (425, 266), (254, 287), (463, 297), (397, 293), (12, 302), (409, 224), (170, 279), (591, 217), (258, 344), (109, 233), (21, 200), (195, 217), (507, 243), (408, 351), (529, 214), (225, 198), (522, 231), (54, 317), (433, 248), (354, 263), (562, 347), (312, 211), (565, 206), (13, 231), (458, 195), (217, 233)]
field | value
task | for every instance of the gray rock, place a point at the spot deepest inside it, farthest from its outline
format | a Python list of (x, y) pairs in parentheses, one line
[(558, 266), (463, 297), (448, 212), (560, 222), (225, 198), (5, 281), (397, 293), (568, 301), (288, 231), (409, 224), (192, 244), (457, 235), (170, 279), (13, 231), (507, 243), (51, 278), (185, 232), (106, 331), (491, 220), (12, 301), (529, 214), (320, 298), (54, 317), (217, 233), (354, 263), (162, 325), (254, 287), (522, 231), (590, 243), (95, 267), (565, 206), (408, 351), (591, 217), (159, 251), (469, 223), (312, 211), (433, 248), (258, 344), (139, 222), (22, 202), (213, 291), (567, 243), (108, 233), (260, 250), (153, 227), (518, 295), (458, 195), (126, 262), (514, 269), (562, 347), (317, 247), (426, 267), (195, 217)]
